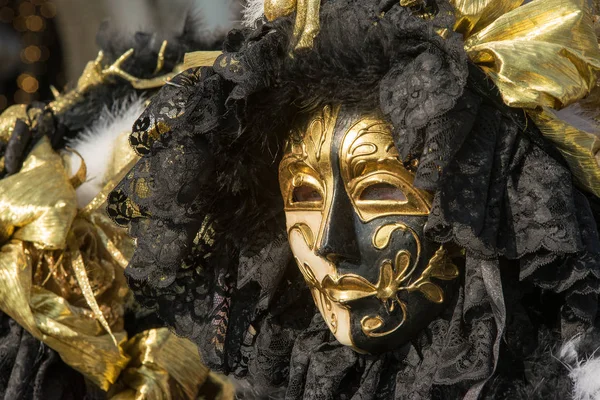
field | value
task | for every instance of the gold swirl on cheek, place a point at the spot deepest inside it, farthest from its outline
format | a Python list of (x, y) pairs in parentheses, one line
[(368, 159)]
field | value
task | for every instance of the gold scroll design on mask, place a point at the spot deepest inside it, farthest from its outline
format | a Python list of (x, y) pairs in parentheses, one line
[(394, 277), (368, 156), (61, 278), (306, 159)]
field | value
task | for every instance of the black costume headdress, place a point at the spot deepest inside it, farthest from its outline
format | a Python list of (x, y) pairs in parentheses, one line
[(213, 259)]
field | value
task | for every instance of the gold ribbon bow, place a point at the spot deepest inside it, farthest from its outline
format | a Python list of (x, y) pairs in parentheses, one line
[(38, 209), (61, 278)]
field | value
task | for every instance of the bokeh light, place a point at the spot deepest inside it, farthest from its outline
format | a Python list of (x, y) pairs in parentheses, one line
[(39, 51)]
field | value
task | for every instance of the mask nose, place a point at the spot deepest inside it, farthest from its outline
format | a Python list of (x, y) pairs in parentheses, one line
[(338, 240)]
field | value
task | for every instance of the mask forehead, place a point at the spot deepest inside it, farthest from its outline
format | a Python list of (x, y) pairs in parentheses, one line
[(306, 158)]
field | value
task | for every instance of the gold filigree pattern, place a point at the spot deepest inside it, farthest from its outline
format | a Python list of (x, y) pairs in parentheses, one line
[(368, 157), (393, 279), (306, 233), (306, 159), (319, 294)]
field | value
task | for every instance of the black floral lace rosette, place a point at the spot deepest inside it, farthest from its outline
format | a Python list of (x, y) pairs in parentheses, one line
[(213, 259)]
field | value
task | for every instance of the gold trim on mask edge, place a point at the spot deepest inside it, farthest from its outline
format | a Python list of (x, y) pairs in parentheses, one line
[(306, 233), (323, 302)]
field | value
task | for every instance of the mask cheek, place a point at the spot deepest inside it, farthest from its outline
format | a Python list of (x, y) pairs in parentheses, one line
[(303, 228)]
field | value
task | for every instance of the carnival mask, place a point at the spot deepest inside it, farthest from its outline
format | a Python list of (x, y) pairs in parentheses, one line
[(355, 224)]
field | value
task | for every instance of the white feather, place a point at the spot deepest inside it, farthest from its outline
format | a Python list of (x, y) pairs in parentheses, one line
[(96, 144), (586, 380), (253, 10), (568, 351), (585, 373)]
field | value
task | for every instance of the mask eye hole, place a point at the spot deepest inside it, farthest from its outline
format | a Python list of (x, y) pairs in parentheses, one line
[(383, 191), (306, 193)]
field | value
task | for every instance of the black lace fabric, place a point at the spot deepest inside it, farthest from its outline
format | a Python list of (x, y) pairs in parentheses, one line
[(213, 259)]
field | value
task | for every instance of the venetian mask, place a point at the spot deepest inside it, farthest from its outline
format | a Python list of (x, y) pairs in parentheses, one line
[(355, 224)]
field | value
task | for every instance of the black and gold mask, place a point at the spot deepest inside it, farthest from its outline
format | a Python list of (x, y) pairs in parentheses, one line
[(355, 224)]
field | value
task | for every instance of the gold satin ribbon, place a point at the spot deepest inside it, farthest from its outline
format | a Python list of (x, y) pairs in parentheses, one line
[(163, 367), (77, 337), (37, 211), (473, 15), (200, 59), (580, 148), (542, 56), (38, 204), (61, 278)]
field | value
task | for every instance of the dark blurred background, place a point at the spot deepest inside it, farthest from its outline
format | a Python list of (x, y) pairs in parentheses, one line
[(48, 42)]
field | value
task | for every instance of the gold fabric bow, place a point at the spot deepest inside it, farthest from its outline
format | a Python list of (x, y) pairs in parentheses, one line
[(543, 56), (61, 278), (37, 212), (544, 53)]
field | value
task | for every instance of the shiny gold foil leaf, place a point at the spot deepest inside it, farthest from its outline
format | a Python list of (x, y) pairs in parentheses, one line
[(432, 292), (39, 202), (544, 53), (473, 15)]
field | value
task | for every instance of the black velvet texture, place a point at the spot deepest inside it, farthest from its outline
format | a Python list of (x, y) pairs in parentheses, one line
[(30, 370), (213, 259)]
